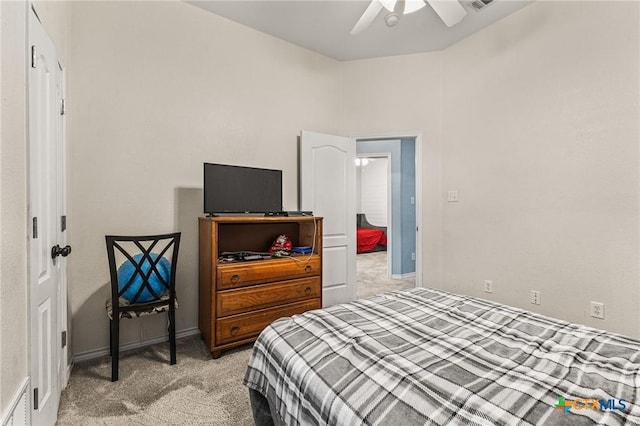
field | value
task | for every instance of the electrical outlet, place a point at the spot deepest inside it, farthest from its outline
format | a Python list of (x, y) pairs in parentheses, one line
[(488, 286), (597, 310), (452, 196), (534, 297), (413, 256)]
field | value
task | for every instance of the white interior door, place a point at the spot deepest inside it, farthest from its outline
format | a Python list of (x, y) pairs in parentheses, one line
[(46, 198), (327, 187)]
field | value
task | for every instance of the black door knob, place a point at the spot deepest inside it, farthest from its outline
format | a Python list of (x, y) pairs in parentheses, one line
[(60, 251)]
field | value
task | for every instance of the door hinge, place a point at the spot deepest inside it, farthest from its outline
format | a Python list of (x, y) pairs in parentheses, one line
[(64, 338), (63, 107), (34, 56), (63, 223), (35, 398), (35, 227)]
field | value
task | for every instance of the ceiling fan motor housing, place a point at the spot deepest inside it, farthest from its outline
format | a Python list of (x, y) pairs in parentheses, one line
[(391, 19), (450, 11)]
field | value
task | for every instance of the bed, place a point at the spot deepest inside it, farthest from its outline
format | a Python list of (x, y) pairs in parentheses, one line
[(369, 237), (424, 356)]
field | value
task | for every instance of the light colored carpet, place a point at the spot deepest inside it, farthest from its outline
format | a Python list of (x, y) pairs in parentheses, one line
[(372, 275), (198, 390)]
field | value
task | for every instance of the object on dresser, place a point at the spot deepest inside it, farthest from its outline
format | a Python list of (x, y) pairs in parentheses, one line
[(239, 256), (281, 244), (230, 189), (370, 237), (302, 250)]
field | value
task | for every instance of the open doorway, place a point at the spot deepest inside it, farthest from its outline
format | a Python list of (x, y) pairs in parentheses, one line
[(386, 215)]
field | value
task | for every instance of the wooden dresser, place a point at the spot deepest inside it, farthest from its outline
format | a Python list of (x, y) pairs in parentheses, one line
[(238, 299)]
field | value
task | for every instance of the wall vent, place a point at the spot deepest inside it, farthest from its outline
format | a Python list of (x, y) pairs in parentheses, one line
[(480, 4)]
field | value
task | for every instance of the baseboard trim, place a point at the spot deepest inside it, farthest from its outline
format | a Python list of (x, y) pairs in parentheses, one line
[(98, 353), (403, 276), (18, 411), (68, 372)]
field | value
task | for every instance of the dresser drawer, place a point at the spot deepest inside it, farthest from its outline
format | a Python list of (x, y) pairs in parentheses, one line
[(232, 302), (258, 272), (243, 326)]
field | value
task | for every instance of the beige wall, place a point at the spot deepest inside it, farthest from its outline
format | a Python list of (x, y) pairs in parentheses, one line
[(54, 15), (396, 96), (14, 318), (541, 136), (244, 104), (155, 90), (535, 121)]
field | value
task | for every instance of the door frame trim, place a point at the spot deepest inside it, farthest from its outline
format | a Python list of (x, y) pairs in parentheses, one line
[(63, 290)]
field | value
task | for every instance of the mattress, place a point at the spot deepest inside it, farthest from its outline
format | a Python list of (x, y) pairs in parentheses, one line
[(425, 356), (369, 238)]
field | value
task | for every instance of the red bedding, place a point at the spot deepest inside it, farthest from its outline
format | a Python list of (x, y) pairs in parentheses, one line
[(369, 238)]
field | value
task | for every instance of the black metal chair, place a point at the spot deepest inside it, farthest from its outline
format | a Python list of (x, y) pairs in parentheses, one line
[(143, 277)]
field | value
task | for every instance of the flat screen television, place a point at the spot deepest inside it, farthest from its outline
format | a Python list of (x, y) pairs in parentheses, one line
[(237, 189)]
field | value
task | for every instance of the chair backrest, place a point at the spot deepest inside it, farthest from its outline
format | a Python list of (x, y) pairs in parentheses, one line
[(142, 268)]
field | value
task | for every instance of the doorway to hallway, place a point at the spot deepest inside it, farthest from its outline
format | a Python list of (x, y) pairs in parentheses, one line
[(386, 200)]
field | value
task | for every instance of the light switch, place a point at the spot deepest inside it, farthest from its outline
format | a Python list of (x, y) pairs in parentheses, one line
[(452, 196)]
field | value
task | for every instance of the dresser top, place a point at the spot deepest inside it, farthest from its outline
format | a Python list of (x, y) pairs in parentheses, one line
[(248, 218)]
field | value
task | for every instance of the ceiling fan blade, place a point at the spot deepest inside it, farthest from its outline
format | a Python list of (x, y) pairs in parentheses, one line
[(389, 4), (450, 11), (367, 17), (411, 6)]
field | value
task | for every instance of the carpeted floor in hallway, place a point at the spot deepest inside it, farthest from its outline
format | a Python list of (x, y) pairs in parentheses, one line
[(372, 275)]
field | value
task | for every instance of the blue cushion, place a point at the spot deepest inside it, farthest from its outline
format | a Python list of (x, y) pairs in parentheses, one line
[(127, 269)]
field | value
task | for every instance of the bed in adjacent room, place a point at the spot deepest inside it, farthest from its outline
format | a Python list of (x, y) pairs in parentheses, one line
[(369, 237), (426, 356)]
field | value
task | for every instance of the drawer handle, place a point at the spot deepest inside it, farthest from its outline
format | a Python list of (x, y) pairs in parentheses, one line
[(235, 278), (234, 330), (307, 291), (307, 268)]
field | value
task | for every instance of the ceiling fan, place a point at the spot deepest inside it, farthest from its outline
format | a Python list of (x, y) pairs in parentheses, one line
[(450, 11)]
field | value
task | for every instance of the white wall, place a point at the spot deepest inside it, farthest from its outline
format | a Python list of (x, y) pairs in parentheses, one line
[(156, 89), (540, 136), (373, 190)]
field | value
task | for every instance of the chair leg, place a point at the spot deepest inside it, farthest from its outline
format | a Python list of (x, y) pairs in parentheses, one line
[(110, 337), (172, 335), (115, 348)]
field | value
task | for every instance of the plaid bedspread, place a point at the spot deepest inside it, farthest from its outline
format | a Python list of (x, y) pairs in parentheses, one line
[(430, 357)]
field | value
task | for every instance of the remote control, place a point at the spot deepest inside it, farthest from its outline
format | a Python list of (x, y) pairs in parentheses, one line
[(252, 257)]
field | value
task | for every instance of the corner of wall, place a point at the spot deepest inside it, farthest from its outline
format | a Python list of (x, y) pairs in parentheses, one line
[(13, 201)]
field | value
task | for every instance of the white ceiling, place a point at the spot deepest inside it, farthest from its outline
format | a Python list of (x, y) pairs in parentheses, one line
[(324, 26)]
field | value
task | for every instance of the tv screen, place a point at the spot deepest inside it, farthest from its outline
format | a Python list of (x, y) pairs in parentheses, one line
[(236, 189)]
